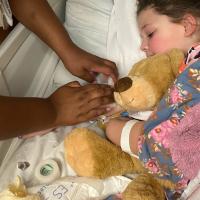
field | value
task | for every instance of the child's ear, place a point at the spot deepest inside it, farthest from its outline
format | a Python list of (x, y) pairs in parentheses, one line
[(190, 24)]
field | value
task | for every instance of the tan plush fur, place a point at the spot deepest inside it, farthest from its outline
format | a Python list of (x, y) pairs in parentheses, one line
[(144, 187), (150, 79), (93, 156)]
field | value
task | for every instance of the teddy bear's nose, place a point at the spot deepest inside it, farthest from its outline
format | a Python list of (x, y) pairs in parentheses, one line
[(123, 84)]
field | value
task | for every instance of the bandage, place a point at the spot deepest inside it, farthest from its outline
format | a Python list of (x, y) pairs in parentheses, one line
[(47, 171), (125, 137)]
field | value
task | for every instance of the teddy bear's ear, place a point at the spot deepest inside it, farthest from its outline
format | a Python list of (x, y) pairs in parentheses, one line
[(123, 84)]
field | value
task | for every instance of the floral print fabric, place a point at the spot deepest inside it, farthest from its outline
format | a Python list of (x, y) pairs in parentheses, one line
[(153, 145)]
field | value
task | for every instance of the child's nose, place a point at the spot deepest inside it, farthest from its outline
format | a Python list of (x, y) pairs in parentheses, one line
[(144, 46)]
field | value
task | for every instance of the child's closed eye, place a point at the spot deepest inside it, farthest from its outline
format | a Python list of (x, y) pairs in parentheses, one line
[(150, 35)]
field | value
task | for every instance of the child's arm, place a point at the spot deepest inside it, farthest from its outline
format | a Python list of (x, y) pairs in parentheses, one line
[(114, 130)]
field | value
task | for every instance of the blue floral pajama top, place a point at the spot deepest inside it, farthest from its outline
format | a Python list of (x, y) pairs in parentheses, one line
[(153, 145)]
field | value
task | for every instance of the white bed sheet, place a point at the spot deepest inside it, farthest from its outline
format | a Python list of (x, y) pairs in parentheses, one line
[(68, 185)]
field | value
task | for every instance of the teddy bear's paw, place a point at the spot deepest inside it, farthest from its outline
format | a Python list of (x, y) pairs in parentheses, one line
[(93, 156), (144, 187), (17, 191)]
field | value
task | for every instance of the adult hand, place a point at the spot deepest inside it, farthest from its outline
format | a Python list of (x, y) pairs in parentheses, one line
[(85, 65), (74, 103)]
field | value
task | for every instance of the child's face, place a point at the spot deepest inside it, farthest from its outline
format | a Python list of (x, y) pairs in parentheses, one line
[(158, 33)]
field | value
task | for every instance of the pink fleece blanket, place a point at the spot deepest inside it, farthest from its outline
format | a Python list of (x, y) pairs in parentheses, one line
[(184, 143)]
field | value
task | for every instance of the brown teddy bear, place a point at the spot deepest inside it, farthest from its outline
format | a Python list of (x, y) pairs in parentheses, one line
[(147, 81), (93, 156)]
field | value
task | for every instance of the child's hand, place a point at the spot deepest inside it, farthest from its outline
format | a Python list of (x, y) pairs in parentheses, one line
[(114, 110)]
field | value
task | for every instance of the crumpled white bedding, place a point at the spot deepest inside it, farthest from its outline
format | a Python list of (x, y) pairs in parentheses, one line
[(68, 185)]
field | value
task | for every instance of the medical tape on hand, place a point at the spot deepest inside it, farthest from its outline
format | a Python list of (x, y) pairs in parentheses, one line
[(125, 137)]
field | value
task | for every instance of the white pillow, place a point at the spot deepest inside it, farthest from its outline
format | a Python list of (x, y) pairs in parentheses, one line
[(123, 45), (87, 23)]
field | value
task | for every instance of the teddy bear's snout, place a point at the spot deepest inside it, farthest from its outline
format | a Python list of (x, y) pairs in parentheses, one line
[(123, 84)]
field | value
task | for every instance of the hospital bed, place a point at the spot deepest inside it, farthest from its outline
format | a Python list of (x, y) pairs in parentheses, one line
[(28, 67)]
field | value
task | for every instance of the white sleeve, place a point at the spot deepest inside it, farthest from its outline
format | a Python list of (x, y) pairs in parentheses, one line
[(5, 14)]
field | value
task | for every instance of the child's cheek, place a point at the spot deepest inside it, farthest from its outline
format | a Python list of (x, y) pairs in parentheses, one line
[(157, 46), (161, 44)]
